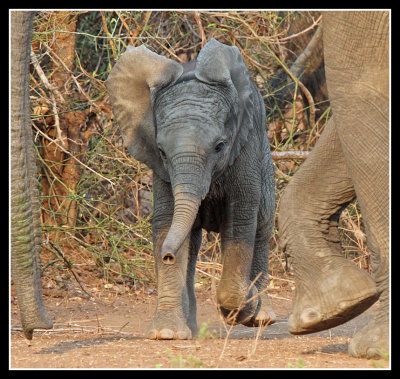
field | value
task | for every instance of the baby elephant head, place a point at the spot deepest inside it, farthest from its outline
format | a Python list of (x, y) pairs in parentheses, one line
[(188, 127)]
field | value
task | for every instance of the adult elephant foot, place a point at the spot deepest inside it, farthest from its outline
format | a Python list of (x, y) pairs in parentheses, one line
[(169, 326), (330, 296), (330, 289), (372, 341)]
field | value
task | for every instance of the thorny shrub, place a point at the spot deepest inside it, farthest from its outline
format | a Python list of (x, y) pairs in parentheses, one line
[(96, 199)]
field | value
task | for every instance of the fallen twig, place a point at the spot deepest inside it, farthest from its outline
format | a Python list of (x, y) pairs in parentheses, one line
[(76, 329)]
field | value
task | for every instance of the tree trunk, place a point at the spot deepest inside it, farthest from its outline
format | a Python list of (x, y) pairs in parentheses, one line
[(61, 172)]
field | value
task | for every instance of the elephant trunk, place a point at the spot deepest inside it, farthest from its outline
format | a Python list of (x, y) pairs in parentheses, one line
[(185, 212), (25, 220), (190, 185)]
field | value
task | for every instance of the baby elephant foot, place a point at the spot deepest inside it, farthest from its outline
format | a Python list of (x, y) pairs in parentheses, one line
[(371, 342), (237, 309), (338, 293), (265, 315), (169, 326)]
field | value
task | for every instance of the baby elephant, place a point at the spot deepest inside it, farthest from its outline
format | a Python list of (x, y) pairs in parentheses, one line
[(201, 128)]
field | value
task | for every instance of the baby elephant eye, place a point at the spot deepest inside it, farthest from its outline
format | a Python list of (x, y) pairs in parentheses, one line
[(220, 146), (162, 153)]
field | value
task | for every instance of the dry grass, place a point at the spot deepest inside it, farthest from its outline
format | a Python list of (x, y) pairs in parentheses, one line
[(109, 233)]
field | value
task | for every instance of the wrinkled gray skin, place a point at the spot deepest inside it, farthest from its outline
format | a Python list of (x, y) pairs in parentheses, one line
[(25, 221), (350, 160), (208, 148)]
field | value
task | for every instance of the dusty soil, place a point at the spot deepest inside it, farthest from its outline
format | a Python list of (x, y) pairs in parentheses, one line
[(107, 331)]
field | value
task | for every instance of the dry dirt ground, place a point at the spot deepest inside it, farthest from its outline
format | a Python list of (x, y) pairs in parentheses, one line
[(108, 331)]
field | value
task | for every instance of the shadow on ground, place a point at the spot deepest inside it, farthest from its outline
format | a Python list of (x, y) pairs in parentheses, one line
[(279, 330), (63, 347)]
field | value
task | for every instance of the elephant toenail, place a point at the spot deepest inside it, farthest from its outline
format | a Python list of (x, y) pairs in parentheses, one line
[(166, 334), (152, 334), (309, 316), (182, 335), (262, 316), (344, 305), (373, 353)]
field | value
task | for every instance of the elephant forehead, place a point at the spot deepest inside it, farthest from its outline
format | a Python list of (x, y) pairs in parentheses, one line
[(193, 100), (188, 136)]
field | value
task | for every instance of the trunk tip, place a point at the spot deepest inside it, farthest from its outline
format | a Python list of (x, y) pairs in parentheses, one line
[(28, 330), (28, 333), (168, 258), (43, 322)]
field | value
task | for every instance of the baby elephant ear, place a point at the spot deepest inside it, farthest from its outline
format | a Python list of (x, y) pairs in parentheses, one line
[(138, 72), (220, 63)]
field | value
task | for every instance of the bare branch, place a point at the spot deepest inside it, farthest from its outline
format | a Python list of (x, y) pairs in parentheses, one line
[(288, 155), (53, 91), (72, 156), (198, 20), (310, 51), (315, 23)]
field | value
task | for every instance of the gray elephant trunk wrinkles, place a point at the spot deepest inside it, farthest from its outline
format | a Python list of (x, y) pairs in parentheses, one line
[(189, 187), (190, 120), (25, 209), (187, 174)]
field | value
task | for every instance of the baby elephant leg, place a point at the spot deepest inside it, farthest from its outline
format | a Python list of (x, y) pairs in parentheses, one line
[(265, 315), (236, 295), (172, 317), (169, 321)]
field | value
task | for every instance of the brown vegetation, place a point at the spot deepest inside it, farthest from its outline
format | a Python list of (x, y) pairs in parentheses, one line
[(96, 199)]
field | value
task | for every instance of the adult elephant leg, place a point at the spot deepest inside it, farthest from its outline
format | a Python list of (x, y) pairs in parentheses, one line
[(170, 321), (357, 71), (329, 289), (25, 220)]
